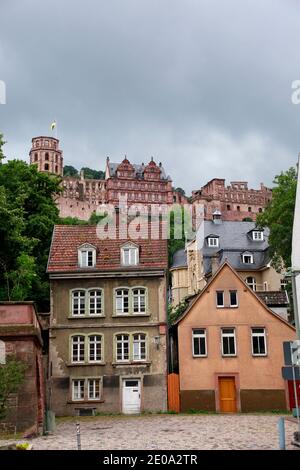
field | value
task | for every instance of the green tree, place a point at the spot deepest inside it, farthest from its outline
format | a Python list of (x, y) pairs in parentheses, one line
[(12, 375), (2, 142), (93, 174), (179, 224), (180, 190), (27, 214), (69, 170), (279, 217)]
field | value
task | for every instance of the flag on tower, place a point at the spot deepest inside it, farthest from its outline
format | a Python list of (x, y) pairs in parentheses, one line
[(53, 125)]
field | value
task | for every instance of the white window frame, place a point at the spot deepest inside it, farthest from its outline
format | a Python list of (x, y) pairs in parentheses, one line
[(94, 299), (258, 335), (250, 255), (81, 398), (133, 255), (258, 235), (78, 347), (140, 341), (84, 263), (74, 292), (139, 297), (92, 345), (237, 300), (122, 297), (228, 335), (220, 292), (95, 381), (122, 342), (213, 242), (252, 284), (199, 336)]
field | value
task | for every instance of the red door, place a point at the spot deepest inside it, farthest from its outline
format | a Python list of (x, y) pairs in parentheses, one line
[(292, 393)]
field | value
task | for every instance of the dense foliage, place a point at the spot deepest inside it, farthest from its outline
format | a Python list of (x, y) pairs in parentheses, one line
[(69, 170), (279, 216), (27, 215), (11, 377)]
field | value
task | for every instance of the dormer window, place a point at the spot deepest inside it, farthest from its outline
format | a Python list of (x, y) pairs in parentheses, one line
[(87, 256), (213, 242), (247, 258), (129, 255), (257, 235)]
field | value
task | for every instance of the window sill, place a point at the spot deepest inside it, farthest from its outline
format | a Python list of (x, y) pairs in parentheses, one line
[(259, 355), (81, 317), (229, 356), (204, 356), (131, 315), (84, 402), (131, 363), (77, 364)]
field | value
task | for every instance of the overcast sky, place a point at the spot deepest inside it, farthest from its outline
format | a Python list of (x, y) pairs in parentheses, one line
[(202, 85)]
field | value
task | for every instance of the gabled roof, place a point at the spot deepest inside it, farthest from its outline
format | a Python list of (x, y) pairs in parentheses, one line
[(67, 239), (217, 273), (138, 171)]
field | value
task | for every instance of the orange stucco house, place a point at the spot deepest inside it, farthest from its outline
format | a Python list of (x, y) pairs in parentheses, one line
[(230, 350)]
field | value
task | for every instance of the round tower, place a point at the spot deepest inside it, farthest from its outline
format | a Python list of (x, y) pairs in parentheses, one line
[(46, 155)]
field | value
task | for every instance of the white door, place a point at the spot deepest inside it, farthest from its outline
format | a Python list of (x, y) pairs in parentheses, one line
[(131, 402)]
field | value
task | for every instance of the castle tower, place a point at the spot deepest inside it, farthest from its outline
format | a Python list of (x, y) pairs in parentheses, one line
[(46, 155)]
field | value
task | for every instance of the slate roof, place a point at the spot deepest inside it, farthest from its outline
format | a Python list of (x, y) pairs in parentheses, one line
[(274, 298), (139, 170), (66, 240), (234, 239), (179, 259)]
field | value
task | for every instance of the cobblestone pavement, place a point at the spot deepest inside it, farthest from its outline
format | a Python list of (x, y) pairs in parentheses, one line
[(168, 432)]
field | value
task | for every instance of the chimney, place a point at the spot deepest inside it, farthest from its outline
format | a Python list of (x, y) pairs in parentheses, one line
[(217, 217), (214, 263)]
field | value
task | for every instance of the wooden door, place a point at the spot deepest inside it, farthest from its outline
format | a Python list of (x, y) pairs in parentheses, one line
[(227, 395), (173, 393)]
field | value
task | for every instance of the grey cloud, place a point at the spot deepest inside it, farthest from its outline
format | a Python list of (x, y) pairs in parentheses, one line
[(203, 85)]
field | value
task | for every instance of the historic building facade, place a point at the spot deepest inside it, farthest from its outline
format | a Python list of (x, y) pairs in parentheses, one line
[(235, 202), (230, 350), (21, 339), (244, 246), (108, 326)]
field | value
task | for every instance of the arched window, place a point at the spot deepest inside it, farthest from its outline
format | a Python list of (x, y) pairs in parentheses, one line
[(122, 347), (46, 167), (78, 348), (251, 282), (47, 157), (122, 301), (2, 352), (139, 300), (35, 157), (95, 302), (78, 303), (139, 347), (56, 168), (95, 348)]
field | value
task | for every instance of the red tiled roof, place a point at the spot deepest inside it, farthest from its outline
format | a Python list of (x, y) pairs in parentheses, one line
[(67, 239)]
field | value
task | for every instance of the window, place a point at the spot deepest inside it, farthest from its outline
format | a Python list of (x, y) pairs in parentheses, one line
[(283, 284), (129, 255), (2, 352), (213, 241), (46, 167), (247, 258), (233, 298), (95, 348), (122, 301), (47, 157), (87, 258), (78, 303), (139, 300), (78, 389), (122, 344), (94, 386), (257, 235), (258, 342), (251, 282), (35, 157), (78, 348), (238, 208), (228, 342), (228, 207), (249, 209), (220, 298), (95, 302), (139, 347), (199, 343)]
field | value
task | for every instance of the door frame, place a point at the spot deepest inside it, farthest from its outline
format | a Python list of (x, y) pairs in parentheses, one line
[(232, 375), (130, 377)]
